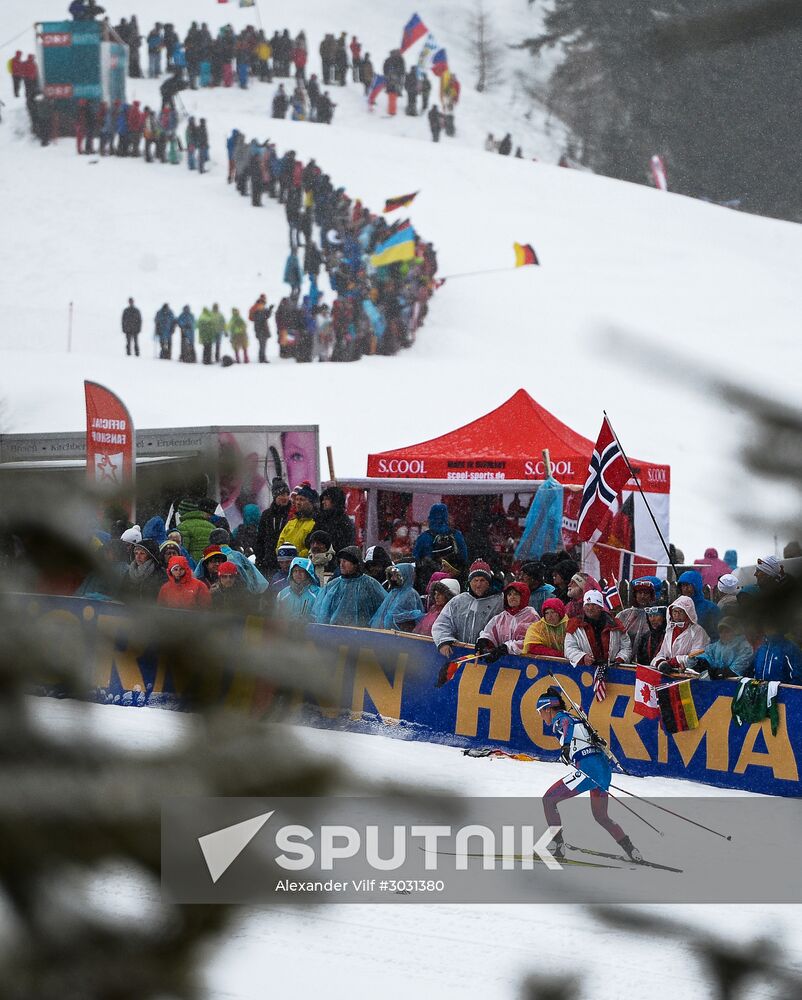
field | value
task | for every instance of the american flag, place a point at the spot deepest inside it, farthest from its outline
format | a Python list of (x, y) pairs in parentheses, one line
[(600, 682)]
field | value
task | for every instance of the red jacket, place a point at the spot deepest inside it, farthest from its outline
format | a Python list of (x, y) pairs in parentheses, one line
[(16, 65), (356, 49), (135, 118), (186, 592), (299, 57), (28, 70)]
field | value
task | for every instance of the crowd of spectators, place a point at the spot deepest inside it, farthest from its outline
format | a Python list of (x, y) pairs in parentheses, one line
[(298, 558)]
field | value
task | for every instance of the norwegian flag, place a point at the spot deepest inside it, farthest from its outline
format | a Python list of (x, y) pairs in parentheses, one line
[(608, 473), (612, 598), (600, 682), (646, 680)]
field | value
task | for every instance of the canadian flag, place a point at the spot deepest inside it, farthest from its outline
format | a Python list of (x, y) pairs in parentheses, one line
[(646, 680)]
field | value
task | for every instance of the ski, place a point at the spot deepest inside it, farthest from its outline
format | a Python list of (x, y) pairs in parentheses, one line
[(603, 744), (575, 862), (623, 857)]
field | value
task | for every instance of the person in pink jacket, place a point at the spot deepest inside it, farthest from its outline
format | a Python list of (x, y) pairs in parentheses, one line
[(505, 633), (439, 592), (711, 568), (684, 637)]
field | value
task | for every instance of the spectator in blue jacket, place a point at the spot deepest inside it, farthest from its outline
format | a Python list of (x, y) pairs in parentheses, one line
[(730, 656), (778, 659), (295, 602), (707, 613), (164, 325), (439, 525), (402, 596), (533, 575), (293, 275), (352, 598), (187, 325)]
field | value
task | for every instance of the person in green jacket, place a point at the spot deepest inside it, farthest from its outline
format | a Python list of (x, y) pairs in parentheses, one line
[(219, 321), (238, 332), (195, 525), (206, 334)]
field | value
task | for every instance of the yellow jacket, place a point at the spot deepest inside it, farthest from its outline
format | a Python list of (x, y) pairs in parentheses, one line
[(295, 532), (540, 633)]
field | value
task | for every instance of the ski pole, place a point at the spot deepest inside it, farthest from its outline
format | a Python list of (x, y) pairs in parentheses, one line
[(619, 801), (671, 812)]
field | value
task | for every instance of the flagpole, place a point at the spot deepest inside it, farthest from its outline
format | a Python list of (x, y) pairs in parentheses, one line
[(643, 495)]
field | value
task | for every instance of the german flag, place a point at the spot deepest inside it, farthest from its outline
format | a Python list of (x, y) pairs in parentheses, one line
[(524, 254), (401, 202), (677, 710)]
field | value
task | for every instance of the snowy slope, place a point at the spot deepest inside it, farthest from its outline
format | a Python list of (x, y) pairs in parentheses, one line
[(717, 287), (430, 951)]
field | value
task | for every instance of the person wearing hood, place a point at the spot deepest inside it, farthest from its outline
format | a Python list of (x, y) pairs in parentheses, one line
[(546, 637), (209, 564), (406, 621), (187, 325), (182, 590), (333, 519), (298, 529), (402, 596), (711, 567), (596, 638), (296, 601), (463, 618), (285, 554), (505, 633), (684, 636), (439, 592), (438, 524), (353, 597), (634, 618), (164, 324), (778, 659), (729, 656), (707, 614), (155, 529), (578, 586), (145, 572), (230, 593), (377, 562), (271, 524), (533, 574), (649, 643)]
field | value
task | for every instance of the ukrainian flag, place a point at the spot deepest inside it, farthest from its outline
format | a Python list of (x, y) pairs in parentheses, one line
[(400, 246)]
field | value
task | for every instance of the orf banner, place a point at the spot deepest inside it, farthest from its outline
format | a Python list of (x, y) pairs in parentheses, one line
[(110, 440)]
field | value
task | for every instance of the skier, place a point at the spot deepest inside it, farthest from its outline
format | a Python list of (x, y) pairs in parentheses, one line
[(579, 748)]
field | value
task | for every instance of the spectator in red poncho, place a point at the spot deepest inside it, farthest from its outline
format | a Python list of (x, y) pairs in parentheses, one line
[(711, 568)]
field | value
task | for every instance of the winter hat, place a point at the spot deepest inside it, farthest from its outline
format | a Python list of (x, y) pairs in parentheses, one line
[(554, 604), (219, 537), (378, 554), (278, 486), (449, 584), (250, 514), (211, 551), (307, 492), (728, 584), (480, 568), (227, 569), (286, 552), (319, 535), (643, 584), (593, 597), (565, 568), (535, 570), (351, 554), (169, 543), (132, 535), (771, 566), (578, 580), (149, 546)]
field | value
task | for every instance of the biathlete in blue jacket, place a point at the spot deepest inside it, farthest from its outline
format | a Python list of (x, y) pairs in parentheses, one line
[(593, 773)]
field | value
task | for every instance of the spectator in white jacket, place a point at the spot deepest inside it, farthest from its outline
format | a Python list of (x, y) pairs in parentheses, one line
[(684, 637), (596, 638), (505, 632), (464, 617)]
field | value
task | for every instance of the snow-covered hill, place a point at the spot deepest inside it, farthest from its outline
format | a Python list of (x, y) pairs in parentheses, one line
[(718, 288)]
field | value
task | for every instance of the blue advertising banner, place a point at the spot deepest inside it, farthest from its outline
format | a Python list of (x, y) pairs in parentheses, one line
[(385, 682)]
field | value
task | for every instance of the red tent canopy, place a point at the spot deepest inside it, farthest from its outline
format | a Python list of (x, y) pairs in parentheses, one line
[(506, 443)]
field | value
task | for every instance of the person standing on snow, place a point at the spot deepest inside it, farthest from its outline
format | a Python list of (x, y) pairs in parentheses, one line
[(187, 325), (238, 332), (132, 327), (593, 773), (435, 122), (259, 315), (164, 324)]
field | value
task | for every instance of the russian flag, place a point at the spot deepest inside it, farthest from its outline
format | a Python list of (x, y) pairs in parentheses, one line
[(413, 30), (439, 62), (377, 86)]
